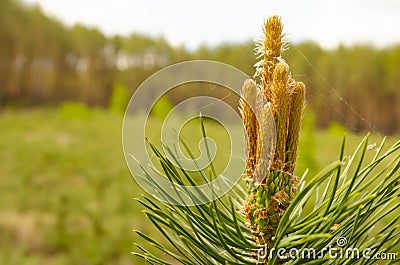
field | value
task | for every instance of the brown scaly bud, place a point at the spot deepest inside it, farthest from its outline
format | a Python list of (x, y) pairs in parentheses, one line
[(265, 143), (297, 98), (247, 111), (280, 101), (270, 49)]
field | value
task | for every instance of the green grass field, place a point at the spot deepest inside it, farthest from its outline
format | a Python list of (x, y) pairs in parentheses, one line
[(66, 193)]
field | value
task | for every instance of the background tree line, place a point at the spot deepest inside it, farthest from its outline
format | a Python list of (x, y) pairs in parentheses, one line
[(43, 62)]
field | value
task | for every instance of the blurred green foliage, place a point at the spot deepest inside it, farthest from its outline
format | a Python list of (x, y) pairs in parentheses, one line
[(307, 146), (74, 110), (119, 98), (162, 107), (67, 196), (335, 128)]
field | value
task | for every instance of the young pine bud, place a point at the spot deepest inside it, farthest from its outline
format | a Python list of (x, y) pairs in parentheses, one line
[(247, 111), (297, 98)]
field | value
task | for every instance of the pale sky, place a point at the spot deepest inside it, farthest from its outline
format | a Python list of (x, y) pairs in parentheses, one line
[(191, 23)]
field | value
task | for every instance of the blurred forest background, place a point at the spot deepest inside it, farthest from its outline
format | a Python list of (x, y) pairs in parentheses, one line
[(44, 62), (66, 193)]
